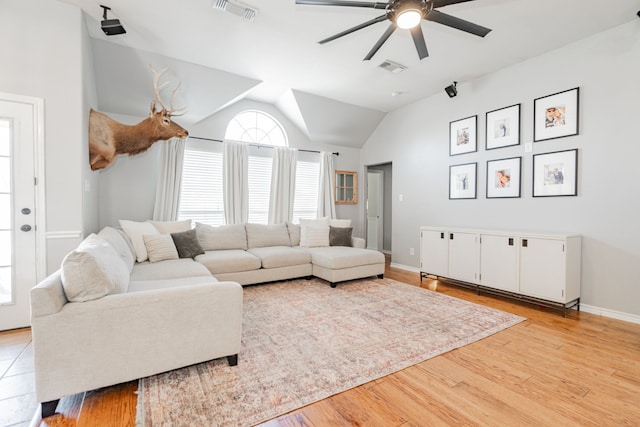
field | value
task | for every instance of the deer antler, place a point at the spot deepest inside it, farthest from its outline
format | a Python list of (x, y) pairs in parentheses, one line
[(171, 111)]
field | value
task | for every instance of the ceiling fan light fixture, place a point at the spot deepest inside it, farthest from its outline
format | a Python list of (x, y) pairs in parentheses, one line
[(408, 18)]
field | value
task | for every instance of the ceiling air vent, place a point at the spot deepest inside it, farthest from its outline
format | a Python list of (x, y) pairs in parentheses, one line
[(247, 13), (393, 67)]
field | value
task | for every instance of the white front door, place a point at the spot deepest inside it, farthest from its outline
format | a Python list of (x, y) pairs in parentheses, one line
[(18, 242)]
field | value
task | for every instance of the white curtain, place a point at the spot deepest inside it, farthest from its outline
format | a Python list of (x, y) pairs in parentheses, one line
[(169, 180), (235, 172), (326, 202), (283, 184)]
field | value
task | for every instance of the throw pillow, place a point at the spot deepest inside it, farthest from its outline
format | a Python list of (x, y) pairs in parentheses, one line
[(221, 237), (135, 231), (313, 236), (340, 236), (168, 227), (187, 244), (294, 233), (160, 247), (94, 269), (340, 222), (319, 225)]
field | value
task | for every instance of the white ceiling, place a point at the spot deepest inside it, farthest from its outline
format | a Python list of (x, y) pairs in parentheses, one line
[(326, 90)]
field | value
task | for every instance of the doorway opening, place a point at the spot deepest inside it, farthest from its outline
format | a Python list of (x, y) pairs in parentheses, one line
[(378, 207)]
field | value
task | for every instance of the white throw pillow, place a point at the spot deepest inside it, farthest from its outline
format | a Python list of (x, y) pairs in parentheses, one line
[(135, 231), (317, 237), (313, 236), (160, 247), (94, 269), (342, 223), (168, 227)]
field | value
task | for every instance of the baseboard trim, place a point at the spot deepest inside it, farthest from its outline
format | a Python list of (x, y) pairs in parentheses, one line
[(405, 267), (619, 315)]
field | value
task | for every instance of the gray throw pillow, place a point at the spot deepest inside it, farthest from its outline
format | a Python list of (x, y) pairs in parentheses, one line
[(340, 236), (187, 244)]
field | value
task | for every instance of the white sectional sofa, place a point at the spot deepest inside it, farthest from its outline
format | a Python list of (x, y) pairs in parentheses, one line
[(125, 305)]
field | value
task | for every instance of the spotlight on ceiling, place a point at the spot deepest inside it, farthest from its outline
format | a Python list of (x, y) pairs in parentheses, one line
[(111, 27), (451, 90)]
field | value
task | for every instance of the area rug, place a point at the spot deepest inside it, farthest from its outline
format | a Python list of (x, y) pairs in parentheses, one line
[(303, 341)]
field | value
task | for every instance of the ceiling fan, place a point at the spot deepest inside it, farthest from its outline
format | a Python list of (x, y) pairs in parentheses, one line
[(404, 14)]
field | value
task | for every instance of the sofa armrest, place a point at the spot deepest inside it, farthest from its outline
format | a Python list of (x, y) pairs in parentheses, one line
[(123, 337), (358, 242)]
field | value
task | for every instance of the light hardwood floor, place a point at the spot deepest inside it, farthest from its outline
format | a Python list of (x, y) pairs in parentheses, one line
[(583, 370)]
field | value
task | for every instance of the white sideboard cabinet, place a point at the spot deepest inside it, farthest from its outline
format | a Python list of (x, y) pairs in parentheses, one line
[(536, 267)]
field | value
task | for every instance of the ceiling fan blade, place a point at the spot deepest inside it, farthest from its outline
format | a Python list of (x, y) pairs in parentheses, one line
[(381, 41), (418, 40), (369, 5), (441, 3), (457, 23), (356, 28)]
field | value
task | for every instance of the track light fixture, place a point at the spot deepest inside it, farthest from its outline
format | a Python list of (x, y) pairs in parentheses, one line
[(111, 27), (451, 90)]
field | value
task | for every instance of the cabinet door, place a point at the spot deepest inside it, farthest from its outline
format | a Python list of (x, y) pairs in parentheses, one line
[(434, 252), (463, 256), (542, 268), (499, 262)]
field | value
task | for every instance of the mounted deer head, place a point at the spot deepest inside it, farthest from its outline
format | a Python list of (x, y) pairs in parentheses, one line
[(108, 138)]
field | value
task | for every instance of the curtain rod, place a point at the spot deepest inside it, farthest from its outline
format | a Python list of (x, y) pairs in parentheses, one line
[(260, 145)]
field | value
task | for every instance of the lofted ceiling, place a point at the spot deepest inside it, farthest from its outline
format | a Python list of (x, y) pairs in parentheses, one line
[(327, 90)]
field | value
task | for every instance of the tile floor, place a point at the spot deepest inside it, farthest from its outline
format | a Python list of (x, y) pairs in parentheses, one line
[(17, 389)]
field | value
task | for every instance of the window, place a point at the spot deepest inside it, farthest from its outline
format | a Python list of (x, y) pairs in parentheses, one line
[(201, 197), (260, 165), (305, 202), (256, 127)]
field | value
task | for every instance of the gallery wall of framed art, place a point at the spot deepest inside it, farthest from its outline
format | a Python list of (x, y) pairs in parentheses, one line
[(553, 172)]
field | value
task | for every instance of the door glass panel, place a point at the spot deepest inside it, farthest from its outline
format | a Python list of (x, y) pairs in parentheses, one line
[(5, 213)]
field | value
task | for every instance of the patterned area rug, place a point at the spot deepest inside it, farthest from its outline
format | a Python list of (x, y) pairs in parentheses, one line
[(303, 341)]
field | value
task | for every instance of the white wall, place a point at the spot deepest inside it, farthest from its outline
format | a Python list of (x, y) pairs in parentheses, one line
[(607, 207), (43, 57), (127, 187)]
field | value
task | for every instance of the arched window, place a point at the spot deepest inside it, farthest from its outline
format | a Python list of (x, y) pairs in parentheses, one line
[(256, 127)]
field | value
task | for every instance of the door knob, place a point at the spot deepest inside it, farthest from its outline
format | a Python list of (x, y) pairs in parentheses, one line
[(25, 228), (25, 211)]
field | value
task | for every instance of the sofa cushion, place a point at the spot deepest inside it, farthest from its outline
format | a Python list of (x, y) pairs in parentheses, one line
[(222, 237), (340, 222), (294, 233), (314, 232), (229, 261), (337, 257), (281, 256), (135, 230), (94, 269), (149, 285), (160, 247), (263, 235), (172, 269), (340, 236), (121, 243), (168, 227), (187, 244)]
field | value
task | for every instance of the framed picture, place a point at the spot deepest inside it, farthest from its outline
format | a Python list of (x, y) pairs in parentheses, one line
[(462, 136), (555, 174), (556, 116), (503, 127), (462, 181), (503, 178)]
